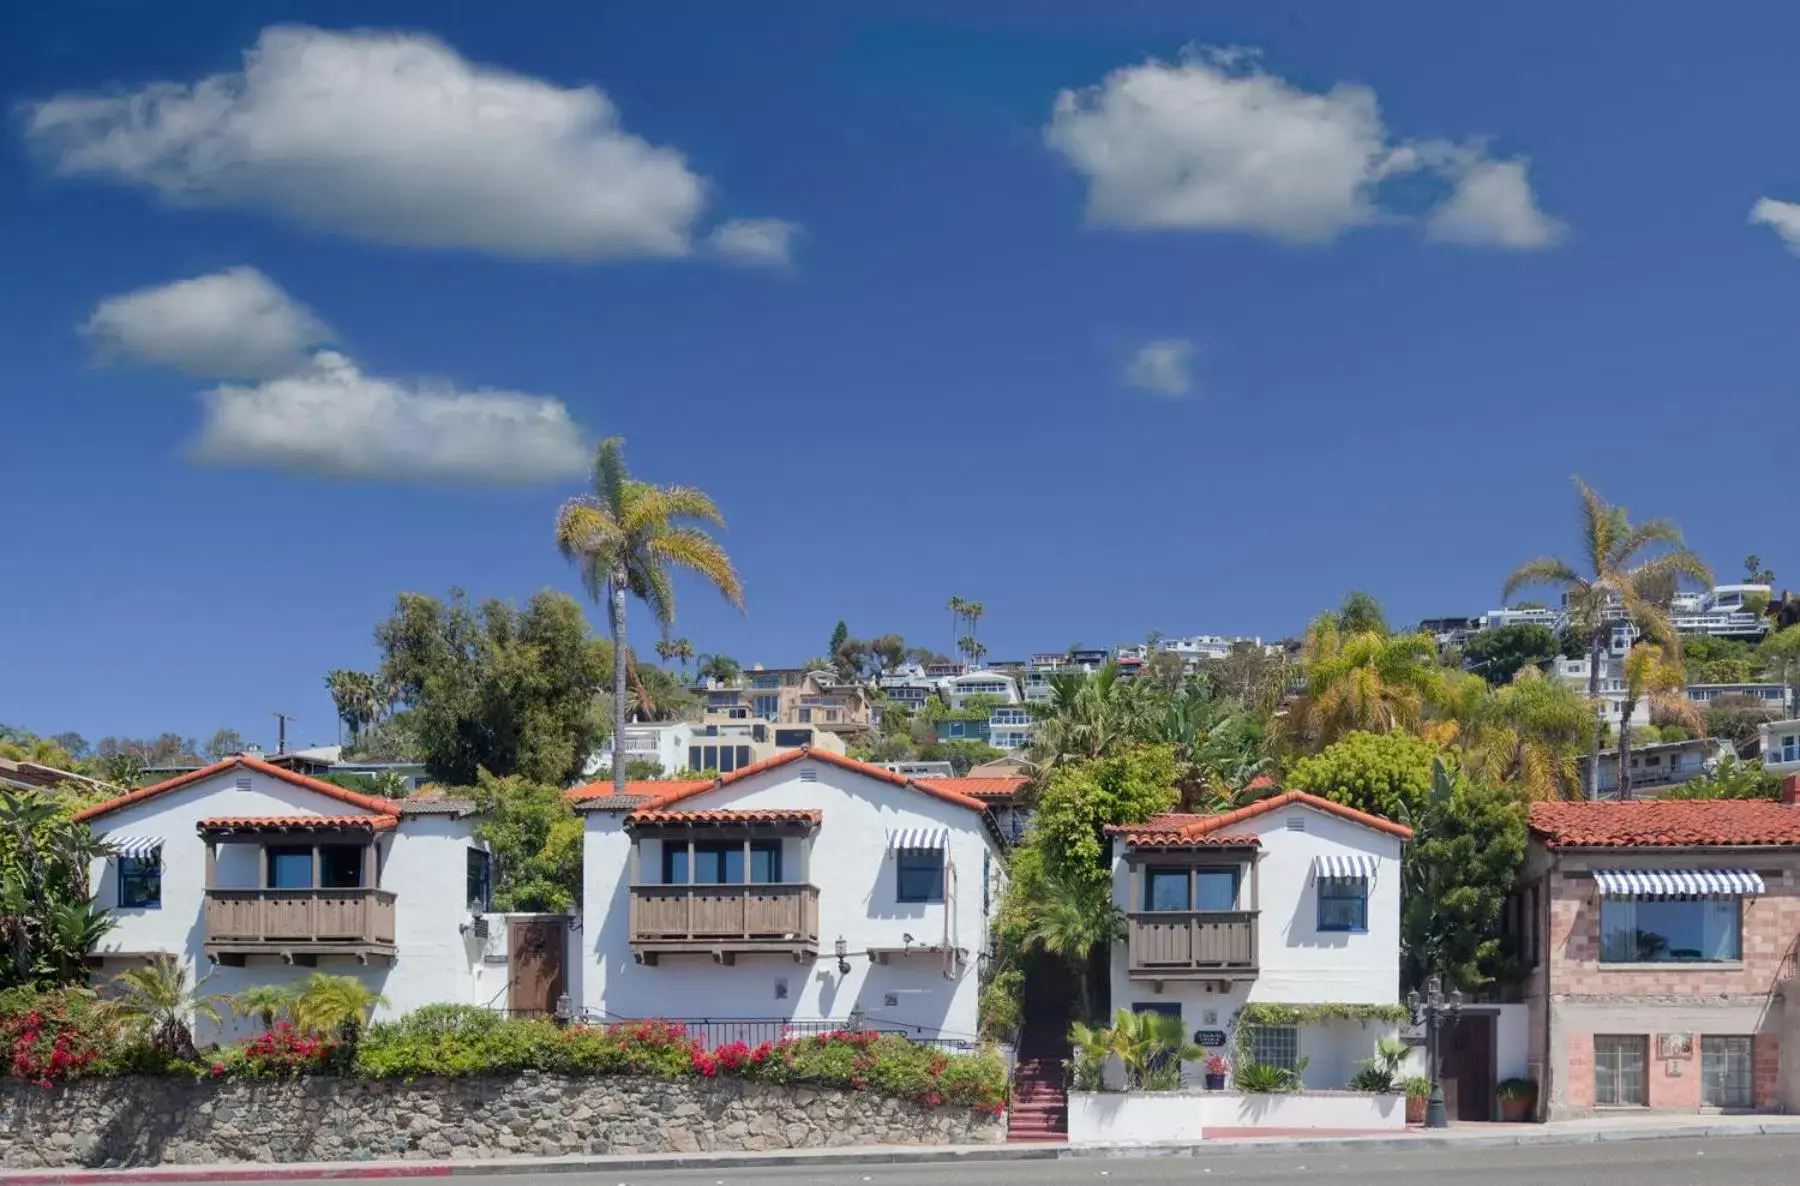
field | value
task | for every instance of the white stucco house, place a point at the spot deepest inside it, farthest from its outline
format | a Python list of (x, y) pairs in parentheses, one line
[(254, 874), (808, 888), (1292, 900)]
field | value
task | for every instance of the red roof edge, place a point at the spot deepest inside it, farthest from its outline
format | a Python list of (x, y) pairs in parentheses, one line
[(366, 802), (686, 790)]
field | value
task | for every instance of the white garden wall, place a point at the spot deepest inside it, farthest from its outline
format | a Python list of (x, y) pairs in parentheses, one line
[(1156, 1118)]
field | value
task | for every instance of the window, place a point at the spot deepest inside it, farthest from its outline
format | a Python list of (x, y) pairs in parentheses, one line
[(1275, 1046), (804, 716), (140, 881), (1215, 889), (727, 759), (793, 738), (340, 866), (1640, 930), (721, 862), (1619, 1069), (290, 868), (919, 875), (766, 707), (1166, 889), (1343, 904), (1727, 1064), (480, 885)]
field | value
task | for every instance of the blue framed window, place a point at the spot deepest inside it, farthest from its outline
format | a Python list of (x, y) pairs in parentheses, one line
[(1343, 904), (919, 875), (722, 862), (140, 882)]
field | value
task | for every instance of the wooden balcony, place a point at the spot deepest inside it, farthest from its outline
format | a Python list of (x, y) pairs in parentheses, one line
[(299, 924), (1192, 945), (724, 921)]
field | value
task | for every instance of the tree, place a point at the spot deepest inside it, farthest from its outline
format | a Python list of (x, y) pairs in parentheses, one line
[(840, 635), (1080, 799), (683, 650), (958, 608), (1626, 568), (1651, 671), (1710, 660), (1730, 779), (1361, 681), (499, 689), (265, 1002), (868, 659), (1497, 655), (394, 738), (1781, 649), (1529, 736), (1361, 614), (1468, 846), (1073, 919), (1251, 675), (339, 1005), (626, 538), (1755, 573), (722, 669), (973, 649), (159, 998), (973, 611), (49, 921), (1384, 774), (1089, 713), (1218, 751), (535, 837), (223, 743), (356, 695)]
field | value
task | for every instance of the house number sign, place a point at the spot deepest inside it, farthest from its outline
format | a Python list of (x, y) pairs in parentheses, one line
[(1209, 1038)]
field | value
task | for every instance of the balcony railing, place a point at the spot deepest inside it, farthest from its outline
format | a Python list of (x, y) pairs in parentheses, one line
[(292, 922), (724, 920), (1193, 944)]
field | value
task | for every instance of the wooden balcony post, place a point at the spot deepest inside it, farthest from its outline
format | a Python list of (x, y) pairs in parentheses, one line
[(370, 865), (212, 863), (263, 849)]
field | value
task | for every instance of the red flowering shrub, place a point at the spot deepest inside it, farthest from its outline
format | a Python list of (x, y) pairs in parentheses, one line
[(51, 1036), (281, 1050)]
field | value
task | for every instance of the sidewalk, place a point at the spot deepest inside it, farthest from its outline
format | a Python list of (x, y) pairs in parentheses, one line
[(1468, 1136)]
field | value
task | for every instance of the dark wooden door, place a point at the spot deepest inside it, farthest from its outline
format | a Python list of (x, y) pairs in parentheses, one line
[(1469, 1064), (534, 956)]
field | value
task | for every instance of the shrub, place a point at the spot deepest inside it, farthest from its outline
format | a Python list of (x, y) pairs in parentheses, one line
[(458, 1045), (1262, 1079), (1511, 1089), (280, 1050), (1417, 1087), (50, 1036)]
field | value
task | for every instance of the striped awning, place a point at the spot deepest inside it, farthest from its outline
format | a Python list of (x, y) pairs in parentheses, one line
[(136, 847), (1669, 883), (1356, 866), (917, 839)]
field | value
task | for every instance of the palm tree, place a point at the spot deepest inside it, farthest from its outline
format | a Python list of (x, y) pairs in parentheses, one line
[(683, 650), (1071, 920), (1152, 1046), (665, 649), (972, 612), (1090, 713), (1652, 671), (1362, 681), (265, 1002), (974, 650), (958, 610), (358, 698), (1625, 569), (625, 537), (721, 668), (1528, 734), (159, 998), (335, 1005), (1218, 746)]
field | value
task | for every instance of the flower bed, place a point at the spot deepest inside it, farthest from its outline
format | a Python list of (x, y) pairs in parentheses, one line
[(67, 1035)]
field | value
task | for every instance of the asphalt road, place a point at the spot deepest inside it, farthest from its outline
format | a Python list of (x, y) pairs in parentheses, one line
[(1734, 1161)]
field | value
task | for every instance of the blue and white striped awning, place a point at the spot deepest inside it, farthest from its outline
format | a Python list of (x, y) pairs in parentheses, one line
[(1355, 866), (1668, 883), (917, 839), (137, 847)]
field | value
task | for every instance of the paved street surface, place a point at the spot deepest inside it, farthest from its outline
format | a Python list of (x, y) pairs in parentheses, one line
[(1738, 1161)]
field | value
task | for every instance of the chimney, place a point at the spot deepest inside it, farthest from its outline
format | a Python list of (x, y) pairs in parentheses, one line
[(1790, 791)]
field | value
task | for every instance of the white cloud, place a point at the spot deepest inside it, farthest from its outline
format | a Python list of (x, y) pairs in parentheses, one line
[(332, 419), (1215, 143), (391, 137), (234, 324), (1493, 205), (1161, 367), (1781, 217), (755, 241)]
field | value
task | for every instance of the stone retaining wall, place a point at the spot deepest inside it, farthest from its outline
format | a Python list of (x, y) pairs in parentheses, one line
[(122, 1122)]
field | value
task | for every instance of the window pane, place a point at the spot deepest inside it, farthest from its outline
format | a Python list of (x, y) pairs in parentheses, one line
[(743, 756), (1166, 889), (765, 861), (694, 758), (675, 862), (480, 878), (340, 866), (726, 764), (290, 868), (1619, 1069), (919, 876), (1215, 889), (1343, 904), (1726, 1072), (1664, 930), (140, 881), (1275, 1046)]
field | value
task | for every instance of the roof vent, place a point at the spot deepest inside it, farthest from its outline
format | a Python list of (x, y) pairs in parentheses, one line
[(243, 782), (1296, 822), (809, 775)]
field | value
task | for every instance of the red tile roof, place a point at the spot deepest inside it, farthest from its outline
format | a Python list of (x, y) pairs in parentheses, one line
[(1155, 839), (1189, 829), (330, 790), (661, 794), (286, 823), (981, 788), (1665, 823), (649, 815)]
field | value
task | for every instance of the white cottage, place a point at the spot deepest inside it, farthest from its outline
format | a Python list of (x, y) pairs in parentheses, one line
[(805, 889), (1293, 900), (260, 875)]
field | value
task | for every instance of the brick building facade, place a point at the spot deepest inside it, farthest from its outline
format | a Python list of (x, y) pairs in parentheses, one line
[(1661, 937)]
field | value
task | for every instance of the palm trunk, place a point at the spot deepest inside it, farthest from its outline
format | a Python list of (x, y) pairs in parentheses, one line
[(1593, 771), (1626, 708), (618, 633)]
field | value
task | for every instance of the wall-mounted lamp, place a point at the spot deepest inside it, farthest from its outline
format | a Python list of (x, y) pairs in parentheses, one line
[(565, 1010), (843, 956)]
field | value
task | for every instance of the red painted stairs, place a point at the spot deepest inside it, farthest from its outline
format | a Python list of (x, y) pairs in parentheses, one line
[(1040, 1103)]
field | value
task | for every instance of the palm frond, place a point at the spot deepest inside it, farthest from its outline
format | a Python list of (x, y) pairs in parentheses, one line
[(1544, 570), (695, 550)]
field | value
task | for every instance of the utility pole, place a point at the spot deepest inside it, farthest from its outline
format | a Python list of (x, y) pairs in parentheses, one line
[(281, 720)]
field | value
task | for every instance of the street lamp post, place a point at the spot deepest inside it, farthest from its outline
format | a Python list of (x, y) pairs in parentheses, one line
[(1432, 1012)]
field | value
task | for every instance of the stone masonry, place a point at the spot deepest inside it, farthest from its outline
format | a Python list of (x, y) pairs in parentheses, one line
[(133, 1121)]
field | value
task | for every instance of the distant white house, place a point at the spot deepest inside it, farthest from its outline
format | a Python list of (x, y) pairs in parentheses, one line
[(260, 875), (958, 689), (1011, 727), (1780, 747), (809, 888), (1293, 900)]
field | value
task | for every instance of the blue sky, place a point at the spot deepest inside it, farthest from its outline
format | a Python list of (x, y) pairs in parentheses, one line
[(1281, 301)]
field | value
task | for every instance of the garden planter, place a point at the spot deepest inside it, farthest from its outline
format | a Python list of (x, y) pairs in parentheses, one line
[(1515, 1111), (1215, 1083), (1415, 1109)]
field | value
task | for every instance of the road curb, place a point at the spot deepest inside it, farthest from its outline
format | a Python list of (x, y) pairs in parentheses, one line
[(922, 1155)]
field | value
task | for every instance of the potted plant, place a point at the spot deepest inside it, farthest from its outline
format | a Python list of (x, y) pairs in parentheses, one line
[(1418, 1092), (1517, 1099), (1217, 1067)]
